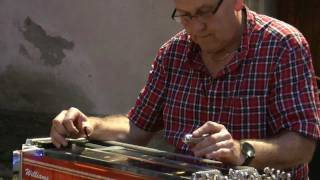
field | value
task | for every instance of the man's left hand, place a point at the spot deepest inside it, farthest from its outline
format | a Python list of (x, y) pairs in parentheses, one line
[(219, 145)]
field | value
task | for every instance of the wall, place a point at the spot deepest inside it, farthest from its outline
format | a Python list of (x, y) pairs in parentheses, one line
[(303, 15), (262, 6), (94, 55)]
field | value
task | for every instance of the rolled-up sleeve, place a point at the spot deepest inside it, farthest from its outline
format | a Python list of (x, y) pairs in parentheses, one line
[(147, 112), (294, 100)]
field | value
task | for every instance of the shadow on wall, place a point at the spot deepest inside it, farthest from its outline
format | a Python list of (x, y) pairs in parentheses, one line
[(31, 97), (28, 102), (26, 90)]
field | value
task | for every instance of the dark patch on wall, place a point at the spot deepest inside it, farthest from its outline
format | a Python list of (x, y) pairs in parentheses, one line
[(24, 89), (51, 47), (23, 51), (29, 100), (3, 48)]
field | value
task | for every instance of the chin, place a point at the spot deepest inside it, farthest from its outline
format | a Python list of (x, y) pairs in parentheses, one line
[(208, 49)]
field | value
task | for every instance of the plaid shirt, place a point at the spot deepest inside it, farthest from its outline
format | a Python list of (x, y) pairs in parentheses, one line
[(269, 85)]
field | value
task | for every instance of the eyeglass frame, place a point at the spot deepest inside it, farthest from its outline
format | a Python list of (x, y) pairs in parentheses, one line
[(190, 17)]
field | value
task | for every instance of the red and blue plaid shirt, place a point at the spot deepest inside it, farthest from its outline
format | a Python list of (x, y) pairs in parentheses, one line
[(268, 86)]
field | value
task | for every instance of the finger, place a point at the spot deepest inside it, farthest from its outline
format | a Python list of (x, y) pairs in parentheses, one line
[(209, 127), (71, 120), (87, 130), (80, 121), (57, 124), (224, 155), (212, 139), (206, 151), (54, 139), (58, 132), (222, 149), (57, 139)]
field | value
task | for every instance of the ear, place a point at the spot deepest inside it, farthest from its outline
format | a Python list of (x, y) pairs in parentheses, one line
[(238, 5)]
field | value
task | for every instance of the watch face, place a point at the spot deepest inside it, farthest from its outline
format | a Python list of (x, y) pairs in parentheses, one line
[(250, 153), (248, 150)]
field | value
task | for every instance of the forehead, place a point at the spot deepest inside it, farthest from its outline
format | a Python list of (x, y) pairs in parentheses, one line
[(191, 5)]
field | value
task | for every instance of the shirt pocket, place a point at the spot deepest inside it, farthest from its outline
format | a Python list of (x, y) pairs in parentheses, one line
[(246, 116)]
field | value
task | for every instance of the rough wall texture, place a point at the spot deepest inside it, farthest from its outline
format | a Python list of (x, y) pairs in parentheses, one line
[(90, 54)]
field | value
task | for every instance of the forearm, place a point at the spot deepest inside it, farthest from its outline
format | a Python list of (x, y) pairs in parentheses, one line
[(114, 127), (118, 128), (286, 150)]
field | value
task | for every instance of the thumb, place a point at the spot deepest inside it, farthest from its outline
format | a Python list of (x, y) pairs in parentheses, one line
[(209, 127), (87, 130)]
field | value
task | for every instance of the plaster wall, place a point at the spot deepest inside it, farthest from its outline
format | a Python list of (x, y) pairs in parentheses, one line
[(94, 55)]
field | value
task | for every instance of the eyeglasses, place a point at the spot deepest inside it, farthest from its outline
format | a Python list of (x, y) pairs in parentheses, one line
[(201, 15)]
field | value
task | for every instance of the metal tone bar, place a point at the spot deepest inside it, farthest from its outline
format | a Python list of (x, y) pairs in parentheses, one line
[(151, 160), (155, 152)]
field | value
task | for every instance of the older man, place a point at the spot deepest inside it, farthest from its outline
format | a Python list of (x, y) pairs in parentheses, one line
[(245, 79)]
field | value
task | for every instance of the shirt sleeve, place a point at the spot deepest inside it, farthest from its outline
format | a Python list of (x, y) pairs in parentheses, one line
[(294, 100), (147, 112)]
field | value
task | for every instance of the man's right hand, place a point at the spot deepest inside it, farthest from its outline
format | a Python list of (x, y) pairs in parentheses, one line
[(69, 123)]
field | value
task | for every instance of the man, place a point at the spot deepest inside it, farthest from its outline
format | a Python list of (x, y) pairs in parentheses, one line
[(245, 79)]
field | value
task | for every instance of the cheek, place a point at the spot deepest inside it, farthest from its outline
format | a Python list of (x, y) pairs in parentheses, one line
[(219, 31), (190, 32)]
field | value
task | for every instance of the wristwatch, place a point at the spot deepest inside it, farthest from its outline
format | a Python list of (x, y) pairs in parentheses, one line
[(248, 152)]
